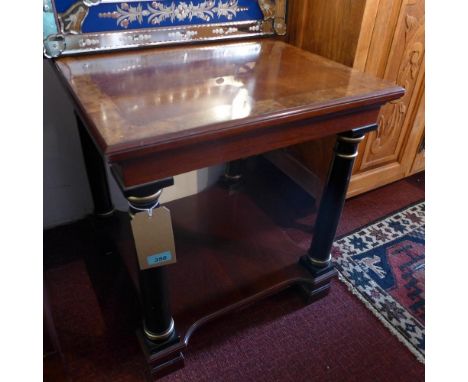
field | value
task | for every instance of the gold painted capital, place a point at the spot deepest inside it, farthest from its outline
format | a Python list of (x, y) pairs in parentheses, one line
[(350, 140), (347, 156), (145, 199)]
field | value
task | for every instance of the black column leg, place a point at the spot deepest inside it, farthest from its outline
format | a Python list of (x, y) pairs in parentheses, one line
[(318, 259), (158, 336), (97, 175), (158, 330), (158, 325), (233, 172)]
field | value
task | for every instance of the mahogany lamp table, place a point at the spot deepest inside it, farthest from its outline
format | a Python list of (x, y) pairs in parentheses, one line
[(155, 113)]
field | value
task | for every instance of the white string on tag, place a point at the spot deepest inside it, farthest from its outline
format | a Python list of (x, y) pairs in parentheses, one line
[(148, 210)]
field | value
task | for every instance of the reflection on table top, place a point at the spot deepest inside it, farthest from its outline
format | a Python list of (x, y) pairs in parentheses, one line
[(155, 95)]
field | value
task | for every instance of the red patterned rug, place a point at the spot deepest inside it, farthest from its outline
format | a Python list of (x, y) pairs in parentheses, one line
[(383, 264)]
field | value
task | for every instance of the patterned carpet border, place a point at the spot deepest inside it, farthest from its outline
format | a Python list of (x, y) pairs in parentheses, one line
[(348, 254)]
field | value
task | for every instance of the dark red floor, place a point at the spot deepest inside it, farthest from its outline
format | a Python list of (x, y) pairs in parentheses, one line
[(279, 339)]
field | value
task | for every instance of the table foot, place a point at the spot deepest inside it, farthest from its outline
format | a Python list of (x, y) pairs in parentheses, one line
[(162, 358), (322, 280), (176, 362)]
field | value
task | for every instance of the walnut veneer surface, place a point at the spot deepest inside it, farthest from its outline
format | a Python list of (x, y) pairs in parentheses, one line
[(131, 100)]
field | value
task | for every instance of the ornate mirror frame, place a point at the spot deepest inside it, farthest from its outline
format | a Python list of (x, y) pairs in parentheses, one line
[(79, 26)]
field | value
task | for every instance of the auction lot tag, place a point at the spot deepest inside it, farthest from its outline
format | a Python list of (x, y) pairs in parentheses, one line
[(154, 238)]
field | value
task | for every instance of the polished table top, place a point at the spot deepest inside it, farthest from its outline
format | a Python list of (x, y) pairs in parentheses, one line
[(152, 97)]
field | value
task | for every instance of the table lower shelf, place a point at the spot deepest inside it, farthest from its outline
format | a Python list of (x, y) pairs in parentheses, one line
[(230, 253)]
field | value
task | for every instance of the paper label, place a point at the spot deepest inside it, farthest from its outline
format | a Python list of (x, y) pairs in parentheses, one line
[(154, 238), (159, 258)]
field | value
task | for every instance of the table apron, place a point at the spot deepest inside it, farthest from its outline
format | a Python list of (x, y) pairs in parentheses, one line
[(173, 161)]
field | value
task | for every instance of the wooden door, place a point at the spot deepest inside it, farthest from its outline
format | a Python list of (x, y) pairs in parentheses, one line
[(389, 153), (384, 38)]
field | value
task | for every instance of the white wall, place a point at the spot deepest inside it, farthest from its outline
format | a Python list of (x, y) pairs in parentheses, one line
[(66, 192)]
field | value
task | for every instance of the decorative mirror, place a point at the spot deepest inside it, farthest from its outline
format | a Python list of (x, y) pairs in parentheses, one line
[(78, 26)]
